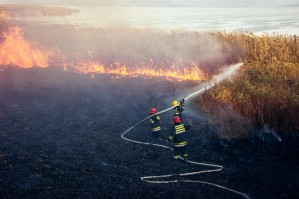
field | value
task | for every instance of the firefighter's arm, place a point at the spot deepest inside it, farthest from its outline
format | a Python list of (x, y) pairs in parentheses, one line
[(171, 136), (151, 120), (182, 108), (156, 118), (182, 102), (170, 139)]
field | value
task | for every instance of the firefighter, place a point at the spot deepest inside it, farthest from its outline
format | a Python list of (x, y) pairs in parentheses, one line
[(178, 136), (179, 108), (155, 123)]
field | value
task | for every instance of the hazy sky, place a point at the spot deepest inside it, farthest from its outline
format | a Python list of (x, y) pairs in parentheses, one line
[(219, 3)]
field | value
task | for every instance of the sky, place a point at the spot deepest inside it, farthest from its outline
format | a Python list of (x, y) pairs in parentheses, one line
[(158, 3)]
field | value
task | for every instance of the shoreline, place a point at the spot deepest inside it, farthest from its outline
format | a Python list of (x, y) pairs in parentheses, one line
[(21, 10)]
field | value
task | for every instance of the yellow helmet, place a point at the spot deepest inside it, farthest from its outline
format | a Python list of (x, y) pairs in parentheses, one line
[(175, 103)]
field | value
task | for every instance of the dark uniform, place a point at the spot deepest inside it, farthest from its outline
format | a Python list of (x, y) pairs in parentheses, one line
[(178, 136), (155, 126)]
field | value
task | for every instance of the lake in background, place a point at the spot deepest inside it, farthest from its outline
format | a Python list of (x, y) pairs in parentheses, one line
[(283, 20)]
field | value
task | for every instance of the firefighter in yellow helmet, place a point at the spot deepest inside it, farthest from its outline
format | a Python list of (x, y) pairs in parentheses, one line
[(178, 136), (179, 107), (155, 123)]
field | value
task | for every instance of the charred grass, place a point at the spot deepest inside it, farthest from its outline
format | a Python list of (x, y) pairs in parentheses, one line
[(60, 138)]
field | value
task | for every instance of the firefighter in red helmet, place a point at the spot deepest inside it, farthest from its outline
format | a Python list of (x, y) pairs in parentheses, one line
[(178, 136), (155, 123)]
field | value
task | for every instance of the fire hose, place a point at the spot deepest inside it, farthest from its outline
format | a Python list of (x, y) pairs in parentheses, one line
[(228, 72)]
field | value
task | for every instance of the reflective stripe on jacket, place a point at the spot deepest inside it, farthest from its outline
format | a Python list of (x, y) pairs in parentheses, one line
[(178, 134), (180, 144), (179, 138), (156, 129), (179, 129)]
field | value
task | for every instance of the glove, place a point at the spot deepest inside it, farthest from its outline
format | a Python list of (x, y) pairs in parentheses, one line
[(182, 102)]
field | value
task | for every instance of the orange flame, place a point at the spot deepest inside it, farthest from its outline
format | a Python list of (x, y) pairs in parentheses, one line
[(15, 50), (191, 72)]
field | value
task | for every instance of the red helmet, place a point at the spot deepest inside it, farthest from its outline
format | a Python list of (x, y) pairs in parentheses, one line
[(153, 111), (176, 119)]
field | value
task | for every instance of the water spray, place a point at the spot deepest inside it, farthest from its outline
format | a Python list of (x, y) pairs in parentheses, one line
[(225, 74)]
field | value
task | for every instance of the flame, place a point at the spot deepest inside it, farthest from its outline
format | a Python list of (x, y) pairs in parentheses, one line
[(15, 50), (149, 70)]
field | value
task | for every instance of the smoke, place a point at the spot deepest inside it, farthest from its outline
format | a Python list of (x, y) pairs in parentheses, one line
[(129, 46), (132, 46)]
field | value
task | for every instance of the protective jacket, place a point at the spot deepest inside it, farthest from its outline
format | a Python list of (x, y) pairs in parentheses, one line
[(178, 134), (155, 123)]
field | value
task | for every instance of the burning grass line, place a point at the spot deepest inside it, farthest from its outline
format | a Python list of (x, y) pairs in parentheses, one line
[(30, 54)]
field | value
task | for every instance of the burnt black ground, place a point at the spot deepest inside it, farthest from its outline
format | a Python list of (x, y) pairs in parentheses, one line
[(60, 138)]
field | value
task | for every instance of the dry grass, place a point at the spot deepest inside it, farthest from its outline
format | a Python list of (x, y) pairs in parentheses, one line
[(267, 90)]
